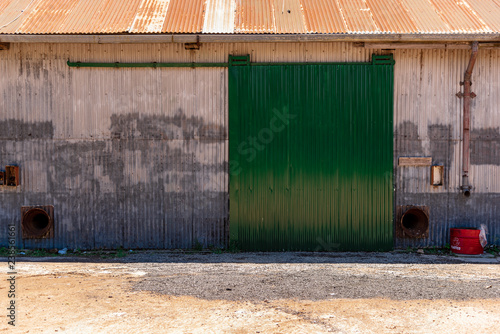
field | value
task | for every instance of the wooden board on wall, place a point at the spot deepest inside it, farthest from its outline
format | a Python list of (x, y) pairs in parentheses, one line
[(415, 161)]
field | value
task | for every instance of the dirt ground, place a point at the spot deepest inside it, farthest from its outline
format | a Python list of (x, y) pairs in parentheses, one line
[(165, 292)]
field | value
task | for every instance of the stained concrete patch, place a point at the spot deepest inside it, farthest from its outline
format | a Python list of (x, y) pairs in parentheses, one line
[(407, 136), (157, 182), (485, 146), (441, 144), (439, 136), (14, 129), (178, 126)]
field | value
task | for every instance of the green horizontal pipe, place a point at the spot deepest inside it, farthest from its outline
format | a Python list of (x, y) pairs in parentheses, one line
[(118, 65), (79, 64)]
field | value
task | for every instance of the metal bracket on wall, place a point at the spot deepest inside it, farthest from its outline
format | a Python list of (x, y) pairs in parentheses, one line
[(461, 95), (383, 59), (192, 46), (239, 60)]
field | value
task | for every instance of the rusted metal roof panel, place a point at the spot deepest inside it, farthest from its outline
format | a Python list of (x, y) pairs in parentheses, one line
[(115, 16), (322, 17), (78, 17), (289, 17), (459, 17), (487, 11), (13, 13), (249, 16), (254, 16), (150, 16), (4, 4), (219, 16), (425, 16), (82, 15), (185, 16), (391, 16), (47, 17), (357, 16)]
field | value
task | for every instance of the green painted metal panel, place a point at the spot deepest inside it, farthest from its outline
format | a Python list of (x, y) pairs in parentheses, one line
[(311, 152)]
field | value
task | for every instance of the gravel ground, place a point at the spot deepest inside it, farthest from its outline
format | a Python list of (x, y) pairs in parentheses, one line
[(174, 292), (305, 276), (318, 276)]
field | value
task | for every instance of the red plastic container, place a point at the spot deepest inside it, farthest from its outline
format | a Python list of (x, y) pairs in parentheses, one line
[(465, 241)]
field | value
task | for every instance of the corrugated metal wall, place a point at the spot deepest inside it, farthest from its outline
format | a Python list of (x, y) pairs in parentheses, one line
[(128, 157), (428, 122), (118, 152)]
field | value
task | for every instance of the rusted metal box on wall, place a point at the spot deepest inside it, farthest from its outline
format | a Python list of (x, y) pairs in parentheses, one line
[(437, 175), (12, 176)]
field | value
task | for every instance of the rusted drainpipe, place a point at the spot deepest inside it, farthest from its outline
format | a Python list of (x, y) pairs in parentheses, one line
[(467, 95)]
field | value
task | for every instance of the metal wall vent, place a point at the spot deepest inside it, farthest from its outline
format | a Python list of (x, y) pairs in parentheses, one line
[(412, 221), (37, 222)]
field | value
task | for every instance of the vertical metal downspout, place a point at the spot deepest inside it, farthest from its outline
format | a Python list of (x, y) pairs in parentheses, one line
[(467, 95)]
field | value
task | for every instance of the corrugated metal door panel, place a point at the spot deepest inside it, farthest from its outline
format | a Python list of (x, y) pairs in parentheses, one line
[(311, 157)]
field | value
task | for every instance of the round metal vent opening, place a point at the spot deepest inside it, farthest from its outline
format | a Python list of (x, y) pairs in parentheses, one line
[(415, 223), (36, 223)]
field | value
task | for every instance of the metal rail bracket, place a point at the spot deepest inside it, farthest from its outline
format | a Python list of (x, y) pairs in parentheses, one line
[(239, 60), (383, 59)]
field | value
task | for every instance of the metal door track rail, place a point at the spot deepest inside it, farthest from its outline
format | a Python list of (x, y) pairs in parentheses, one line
[(233, 61)]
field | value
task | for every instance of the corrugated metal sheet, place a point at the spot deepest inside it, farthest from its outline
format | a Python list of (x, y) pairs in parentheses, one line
[(219, 17), (64, 108), (390, 16), (289, 17), (458, 16), (357, 16), (13, 13), (59, 17), (133, 158), (311, 157), (428, 122), (150, 16), (254, 17), (248, 16), (53, 13), (5, 4), (425, 16), (487, 11), (185, 16), (322, 17)]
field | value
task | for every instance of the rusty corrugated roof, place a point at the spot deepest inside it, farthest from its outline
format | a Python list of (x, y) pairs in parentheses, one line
[(322, 16), (487, 11), (249, 16), (185, 16)]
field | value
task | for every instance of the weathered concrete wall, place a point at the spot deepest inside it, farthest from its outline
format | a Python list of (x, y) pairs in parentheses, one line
[(138, 157)]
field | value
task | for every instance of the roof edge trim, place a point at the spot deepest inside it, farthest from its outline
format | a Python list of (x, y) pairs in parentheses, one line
[(244, 38)]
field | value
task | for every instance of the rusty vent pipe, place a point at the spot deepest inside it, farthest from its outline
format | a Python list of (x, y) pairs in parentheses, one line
[(467, 95)]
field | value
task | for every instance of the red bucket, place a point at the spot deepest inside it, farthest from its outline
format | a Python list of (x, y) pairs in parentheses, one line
[(465, 241)]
